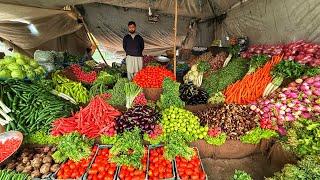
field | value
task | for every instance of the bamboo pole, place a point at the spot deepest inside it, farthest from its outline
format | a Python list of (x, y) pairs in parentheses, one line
[(175, 39)]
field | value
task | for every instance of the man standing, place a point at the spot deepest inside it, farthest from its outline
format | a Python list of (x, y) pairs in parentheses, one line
[(133, 45)]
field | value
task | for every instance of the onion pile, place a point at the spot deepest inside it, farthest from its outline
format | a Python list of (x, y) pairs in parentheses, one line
[(143, 117), (300, 99), (234, 120), (300, 51)]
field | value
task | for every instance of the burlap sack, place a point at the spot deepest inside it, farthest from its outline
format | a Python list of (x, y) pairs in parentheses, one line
[(152, 94), (234, 149), (279, 157), (205, 149)]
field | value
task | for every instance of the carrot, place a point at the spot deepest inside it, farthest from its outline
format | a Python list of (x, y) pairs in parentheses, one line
[(251, 87)]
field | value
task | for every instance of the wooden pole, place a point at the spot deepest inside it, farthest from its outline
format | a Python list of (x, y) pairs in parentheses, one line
[(175, 39)]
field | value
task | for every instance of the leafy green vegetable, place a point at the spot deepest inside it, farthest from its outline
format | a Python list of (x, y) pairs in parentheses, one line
[(303, 137), (132, 91), (128, 149), (12, 175), (203, 66), (175, 144), (256, 135), (108, 139), (104, 79), (72, 146), (257, 62), (118, 93), (241, 175), (42, 138), (234, 50), (312, 71), (153, 141), (217, 98), (288, 69), (217, 81), (170, 96), (307, 168), (217, 141)]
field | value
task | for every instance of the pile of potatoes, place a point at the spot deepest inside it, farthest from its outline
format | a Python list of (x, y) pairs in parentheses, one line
[(37, 162)]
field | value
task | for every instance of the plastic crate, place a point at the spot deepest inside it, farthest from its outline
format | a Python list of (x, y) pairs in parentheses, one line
[(148, 163), (146, 177), (85, 176), (54, 175), (176, 168)]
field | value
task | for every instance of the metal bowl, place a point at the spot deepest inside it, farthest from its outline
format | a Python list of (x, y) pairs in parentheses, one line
[(11, 135), (162, 59)]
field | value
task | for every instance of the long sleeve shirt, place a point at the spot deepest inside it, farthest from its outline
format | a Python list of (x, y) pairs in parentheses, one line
[(133, 45)]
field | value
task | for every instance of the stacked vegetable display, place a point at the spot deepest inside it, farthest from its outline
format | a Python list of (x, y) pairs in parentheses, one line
[(75, 72), (170, 95), (177, 119), (300, 51), (193, 95), (159, 167), (143, 117), (33, 106), (233, 120), (300, 99), (152, 77), (20, 67), (36, 162), (95, 119)]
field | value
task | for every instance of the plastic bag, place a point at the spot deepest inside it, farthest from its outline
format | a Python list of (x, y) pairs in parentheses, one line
[(44, 56), (49, 67)]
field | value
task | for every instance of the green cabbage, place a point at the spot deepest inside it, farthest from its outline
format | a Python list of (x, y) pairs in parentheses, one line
[(13, 66), (8, 60), (34, 63), (26, 67), (18, 74), (5, 74), (20, 61), (31, 75)]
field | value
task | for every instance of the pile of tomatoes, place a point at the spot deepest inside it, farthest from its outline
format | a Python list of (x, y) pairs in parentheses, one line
[(130, 173), (152, 76), (190, 169), (101, 167), (74, 170), (159, 167)]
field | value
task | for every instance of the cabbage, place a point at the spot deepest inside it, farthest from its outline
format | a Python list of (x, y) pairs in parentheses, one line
[(20, 61), (5, 74), (18, 74), (8, 60), (13, 66), (26, 67), (34, 63), (31, 75)]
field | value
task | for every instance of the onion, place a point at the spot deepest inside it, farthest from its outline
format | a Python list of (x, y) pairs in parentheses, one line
[(316, 84), (306, 115), (310, 80), (282, 131)]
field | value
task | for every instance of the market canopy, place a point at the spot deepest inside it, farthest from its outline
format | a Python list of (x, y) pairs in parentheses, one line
[(53, 27)]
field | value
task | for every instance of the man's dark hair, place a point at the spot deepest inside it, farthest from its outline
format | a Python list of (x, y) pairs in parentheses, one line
[(131, 23)]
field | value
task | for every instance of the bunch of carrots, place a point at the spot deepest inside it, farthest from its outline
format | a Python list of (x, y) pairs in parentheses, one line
[(252, 86)]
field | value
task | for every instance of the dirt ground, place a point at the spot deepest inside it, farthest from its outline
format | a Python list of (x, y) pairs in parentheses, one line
[(256, 165)]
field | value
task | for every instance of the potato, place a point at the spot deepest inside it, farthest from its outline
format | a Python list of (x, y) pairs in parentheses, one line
[(45, 168), (20, 168), (25, 160), (11, 166), (27, 169), (35, 173), (54, 168), (47, 159), (36, 163)]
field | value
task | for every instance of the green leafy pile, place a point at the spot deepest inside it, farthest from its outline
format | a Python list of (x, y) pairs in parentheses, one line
[(12, 175), (303, 137), (170, 96), (72, 146), (217, 81), (203, 66), (175, 144), (153, 141), (42, 138), (241, 175), (108, 140), (218, 140), (128, 149), (118, 93), (307, 168), (257, 62), (256, 135), (217, 98), (100, 86), (288, 69), (312, 71)]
